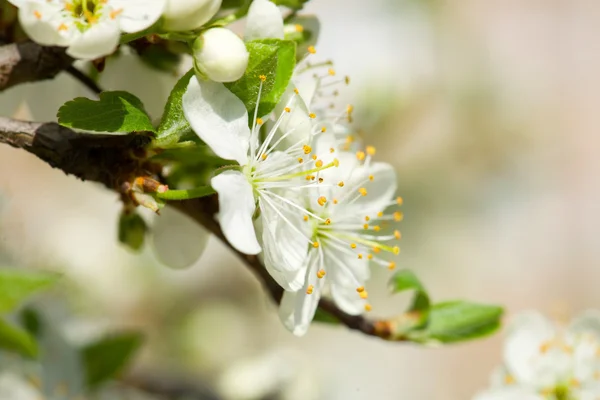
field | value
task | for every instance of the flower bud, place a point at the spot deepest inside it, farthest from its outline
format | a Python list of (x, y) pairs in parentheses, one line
[(220, 55), (185, 15)]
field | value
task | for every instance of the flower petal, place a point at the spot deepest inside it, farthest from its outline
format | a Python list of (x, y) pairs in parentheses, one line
[(236, 207), (219, 118), (41, 24), (264, 21), (296, 122), (297, 309), (98, 41), (347, 299), (380, 191), (137, 15), (177, 240)]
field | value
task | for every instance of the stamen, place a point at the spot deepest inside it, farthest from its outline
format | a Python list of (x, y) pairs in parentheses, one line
[(331, 71), (309, 290), (397, 235), (296, 91), (376, 228), (362, 191), (391, 265), (366, 226), (264, 157), (262, 78), (332, 150), (300, 160), (398, 216), (319, 164), (363, 295), (115, 13), (371, 177), (371, 150), (287, 109), (322, 200), (360, 289), (305, 218), (312, 115), (341, 184), (312, 50), (370, 256), (321, 273), (353, 245), (299, 28), (360, 155), (62, 27), (314, 157), (259, 121), (399, 201), (323, 129), (367, 218), (368, 307), (307, 149), (316, 245), (327, 221), (37, 14)]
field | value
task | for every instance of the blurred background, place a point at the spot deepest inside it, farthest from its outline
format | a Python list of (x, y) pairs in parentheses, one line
[(488, 110)]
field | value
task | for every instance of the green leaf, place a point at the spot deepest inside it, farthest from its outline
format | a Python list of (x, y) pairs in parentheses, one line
[(274, 59), (114, 112), (106, 358), (17, 285), (456, 321), (132, 230), (173, 125), (294, 4), (407, 280), (17, 340)]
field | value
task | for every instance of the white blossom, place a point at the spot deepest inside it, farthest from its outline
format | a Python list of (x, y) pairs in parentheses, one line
[(220, 119), (264, 21), (220, 55), (184, 15), (88, 28), (545, 361)]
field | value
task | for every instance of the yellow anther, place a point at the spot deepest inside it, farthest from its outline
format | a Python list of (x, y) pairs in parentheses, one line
[(309, 289), (371, 150), (396, 250), (314, 157), (321, 273), (399, 201), (376, 228), (349, 108), (353, 245), (362, 191), (287, 109), (323, 129), (312, 177), (397, 235), (307, 149), (62, 27), (305, 218), (363, 295), (367, 218), (331, 150), (360, 155), (575, 382), (262, 78), (331, 71), (308, 177), (376, 249), (391, 265), (37, 14), (336, 162), (319, 163), (300, 160), (398, 216), (380, 214), (259, 121), (322, 200), (296, 91), (321, 180), (115, 13), (509, 380), (366, 226), (347, 80), (335, 201), (371, 177), (312, 115), (360, 256), (544, 347), (370, 256), (328, 221), (316, 245), (264, 157), (312, 50), (299, 28), (368, 307), (349, 139), (360, 289), (341, 184)]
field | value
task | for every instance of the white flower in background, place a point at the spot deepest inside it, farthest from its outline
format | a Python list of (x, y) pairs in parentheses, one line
[(220, 55), (346, 223), (88, 28), (264, 21), (543, 361), (184, 15), (220, 119)]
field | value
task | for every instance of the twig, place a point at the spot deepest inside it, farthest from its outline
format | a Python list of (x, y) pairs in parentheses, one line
[(29, 62), (112, 160), (84, 79)]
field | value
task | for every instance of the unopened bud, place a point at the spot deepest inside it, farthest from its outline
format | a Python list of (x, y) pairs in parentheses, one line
[(185, 15), (220, 55)]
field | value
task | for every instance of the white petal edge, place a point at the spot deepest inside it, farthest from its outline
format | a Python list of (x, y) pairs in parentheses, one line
[(138, 15), (236, 208), (100, 40), (42, 30), (264, 21), (219, 118)]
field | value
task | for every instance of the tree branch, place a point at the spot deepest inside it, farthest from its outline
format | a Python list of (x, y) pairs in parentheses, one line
[(28, 62), (113, 160)]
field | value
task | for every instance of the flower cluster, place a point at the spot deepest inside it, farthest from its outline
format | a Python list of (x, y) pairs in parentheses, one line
[(545, 361), (315, 212)]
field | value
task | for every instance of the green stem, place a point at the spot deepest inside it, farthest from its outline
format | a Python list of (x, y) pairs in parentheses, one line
[(186, 194)]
